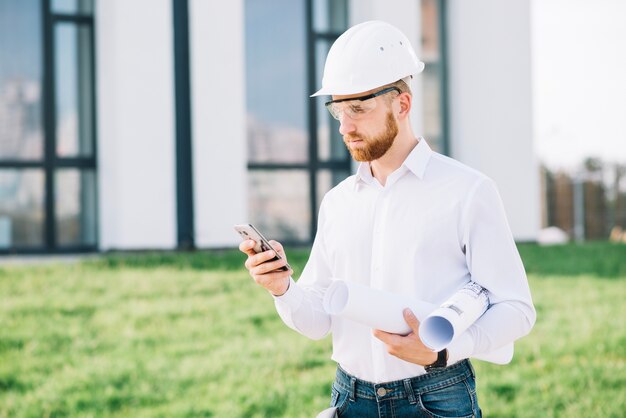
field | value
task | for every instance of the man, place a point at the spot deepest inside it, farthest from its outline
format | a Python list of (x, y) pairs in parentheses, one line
[(410, 221)]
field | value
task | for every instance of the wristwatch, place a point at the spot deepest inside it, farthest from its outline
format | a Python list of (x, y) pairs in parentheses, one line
[(440, 363)]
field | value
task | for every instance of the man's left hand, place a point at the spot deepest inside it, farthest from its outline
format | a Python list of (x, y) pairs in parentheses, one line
[(408, 347)]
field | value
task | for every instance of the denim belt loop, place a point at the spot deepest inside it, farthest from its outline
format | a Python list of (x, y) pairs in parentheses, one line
[(471, 368), (352, 388), (408, 388)]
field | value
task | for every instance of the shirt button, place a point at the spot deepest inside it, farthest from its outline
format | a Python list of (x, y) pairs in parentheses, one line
[(381, 391)]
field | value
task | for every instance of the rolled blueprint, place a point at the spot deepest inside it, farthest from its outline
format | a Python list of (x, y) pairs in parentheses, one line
[(380, 309), (454, 316), (376, 308)]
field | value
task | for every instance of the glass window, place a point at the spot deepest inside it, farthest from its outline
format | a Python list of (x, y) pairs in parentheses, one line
[(330, 18), (26, 222), (75, 207), (284, 171), (21, 208), (72, 6), (276, 81), (330, 15), (430, 31), (73, 88), (21, 132), (431, 84), (279, 203), (433, 75), (330, 144)]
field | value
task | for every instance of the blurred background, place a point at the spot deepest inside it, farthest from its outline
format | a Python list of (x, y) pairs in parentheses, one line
[(156, 124), (133, 125)]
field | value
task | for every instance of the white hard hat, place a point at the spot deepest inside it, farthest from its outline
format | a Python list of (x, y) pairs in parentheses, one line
[(366, 56)]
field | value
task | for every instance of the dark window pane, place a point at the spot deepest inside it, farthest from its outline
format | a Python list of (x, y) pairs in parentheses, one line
[(433, 122), (75, 204), (432, 100), (279, 203), (21, 208), (73, 87), (276, 81), (330, 144), (431, 48), (72, 6), (330, 15), (21, 135)]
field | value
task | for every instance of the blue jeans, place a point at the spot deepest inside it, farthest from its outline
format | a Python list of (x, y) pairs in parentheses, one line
[(450, 392)]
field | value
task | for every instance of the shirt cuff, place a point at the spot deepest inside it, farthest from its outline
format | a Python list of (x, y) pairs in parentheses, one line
[(461, 348), (292, 298)]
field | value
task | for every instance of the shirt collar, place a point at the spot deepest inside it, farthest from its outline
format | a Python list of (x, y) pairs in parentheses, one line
[(416, 162), (364, 174)]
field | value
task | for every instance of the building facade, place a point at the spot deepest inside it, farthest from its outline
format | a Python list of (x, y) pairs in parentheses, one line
[(158, 124)]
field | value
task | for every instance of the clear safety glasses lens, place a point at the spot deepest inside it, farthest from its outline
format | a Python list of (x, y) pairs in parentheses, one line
[(356, 107)]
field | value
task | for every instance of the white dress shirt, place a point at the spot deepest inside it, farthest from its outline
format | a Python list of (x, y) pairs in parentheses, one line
[(433, 227)]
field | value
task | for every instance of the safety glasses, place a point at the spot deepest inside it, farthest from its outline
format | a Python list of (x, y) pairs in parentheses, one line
[(356, 107)]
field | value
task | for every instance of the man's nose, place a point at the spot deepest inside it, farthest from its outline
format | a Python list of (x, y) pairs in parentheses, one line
[(346, 125)]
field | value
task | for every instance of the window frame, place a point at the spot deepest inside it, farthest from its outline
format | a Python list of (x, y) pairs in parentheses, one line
[(51, 163), (314, 165)]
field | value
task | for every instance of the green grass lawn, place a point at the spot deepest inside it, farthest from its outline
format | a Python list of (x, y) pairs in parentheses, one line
[(190, 335)]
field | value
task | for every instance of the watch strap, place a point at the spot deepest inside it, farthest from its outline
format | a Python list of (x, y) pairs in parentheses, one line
[(440, 363)]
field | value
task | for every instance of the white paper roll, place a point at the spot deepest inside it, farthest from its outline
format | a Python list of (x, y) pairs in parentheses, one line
[(382, 310), (454, 316), (376, 308)]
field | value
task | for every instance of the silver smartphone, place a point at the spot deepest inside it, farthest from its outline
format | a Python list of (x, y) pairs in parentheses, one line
[(248, 231)]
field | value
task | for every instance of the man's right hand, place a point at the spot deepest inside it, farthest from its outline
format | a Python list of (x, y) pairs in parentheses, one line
[(265, 272)]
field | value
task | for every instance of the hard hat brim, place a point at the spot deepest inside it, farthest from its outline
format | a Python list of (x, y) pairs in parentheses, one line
[(344, 90)]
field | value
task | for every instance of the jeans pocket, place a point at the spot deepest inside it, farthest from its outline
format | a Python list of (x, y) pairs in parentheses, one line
[(457, 400)]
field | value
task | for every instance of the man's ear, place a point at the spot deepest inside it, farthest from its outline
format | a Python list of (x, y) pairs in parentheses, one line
[(405, 100)]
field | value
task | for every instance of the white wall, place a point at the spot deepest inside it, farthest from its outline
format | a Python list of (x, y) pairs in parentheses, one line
[(490, 96), (136, 171), (219, 120)]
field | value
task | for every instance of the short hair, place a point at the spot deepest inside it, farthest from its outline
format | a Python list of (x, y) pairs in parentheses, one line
[(402, 85)]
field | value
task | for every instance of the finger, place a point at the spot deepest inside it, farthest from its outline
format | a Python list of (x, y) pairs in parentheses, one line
[(261, 258), (247, 246), (256, 259), (411, 320), (382, 335), (269, 266), (278, 247)]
